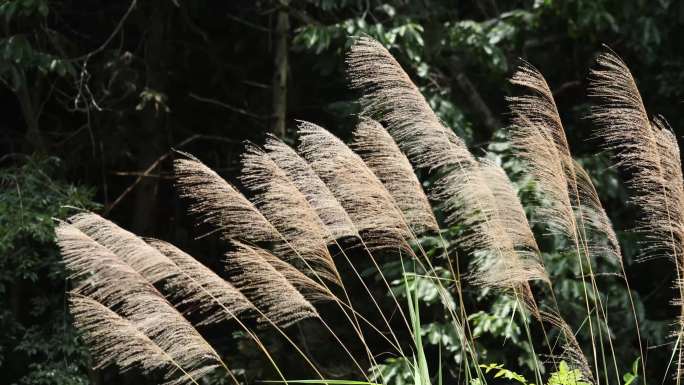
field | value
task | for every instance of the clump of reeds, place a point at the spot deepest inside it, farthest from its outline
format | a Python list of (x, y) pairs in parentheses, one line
[(133, 297)]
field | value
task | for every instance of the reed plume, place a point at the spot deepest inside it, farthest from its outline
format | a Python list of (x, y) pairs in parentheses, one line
[(338, 222), (310, 289), (595, 218), (267, 288), (571, 348), (649, 152), (199, 289), (111, 297), (316, 192), (524, 263), (539, 138), (189, 283), (219, 204), (460, 187), (113, 339), (382, 155), (354, 185), (390, 97), (288, 210), (574, 208), (134, 251)]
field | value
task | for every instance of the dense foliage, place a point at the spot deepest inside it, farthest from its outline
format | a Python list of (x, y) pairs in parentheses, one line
[(39, 345), (110, 87)]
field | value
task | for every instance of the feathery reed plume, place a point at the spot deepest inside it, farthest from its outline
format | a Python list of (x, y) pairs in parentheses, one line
[(316, 192), (594, 216), (96, 270), (113, 339), (538, 111), (383, 156), (539, 108), (571, 349), (219, 204), (621, 118), (391, 98), (647, 150), (323, 201), (127, 246), (287, 209), (201, 290), (310, 289), (539, 138), (536, 137), (109, 281), (524, 263), (674, 192), (532, 144), (358, 190), (538, 124), (188, 281), (267, 288)]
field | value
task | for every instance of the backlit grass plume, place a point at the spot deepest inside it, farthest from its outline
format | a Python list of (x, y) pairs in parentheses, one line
[(382, 155), (125, 319), (317, 193), (267, 287), (359, 191), (219, 204), (648, 151), (288, 210)]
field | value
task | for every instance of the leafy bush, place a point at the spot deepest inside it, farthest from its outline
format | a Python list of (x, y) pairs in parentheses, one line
[(38, 344)]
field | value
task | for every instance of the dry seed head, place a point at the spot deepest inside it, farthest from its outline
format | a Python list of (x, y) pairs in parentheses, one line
[(219, 204), (113, 339), (136, 310), (358, 190), (390, 97), (288, 210), (316, 192), (520, 259), (267, 288), (382, 155), (646, 149), (199, 289)]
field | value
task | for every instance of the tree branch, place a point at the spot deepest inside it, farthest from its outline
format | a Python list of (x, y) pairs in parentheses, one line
[(477, 104)]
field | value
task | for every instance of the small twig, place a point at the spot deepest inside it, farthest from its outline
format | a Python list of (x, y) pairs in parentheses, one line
[(256, 84), (111, 36), (247, 23), (154, 165), (228, 107), (141, 173), (565, 86)]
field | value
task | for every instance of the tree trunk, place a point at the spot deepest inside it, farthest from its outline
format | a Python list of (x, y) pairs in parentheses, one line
[(279, 84), (477, 105), (151, 136), (26, 102)]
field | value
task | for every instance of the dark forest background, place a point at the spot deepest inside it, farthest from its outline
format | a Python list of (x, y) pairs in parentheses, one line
[(95, 94)]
